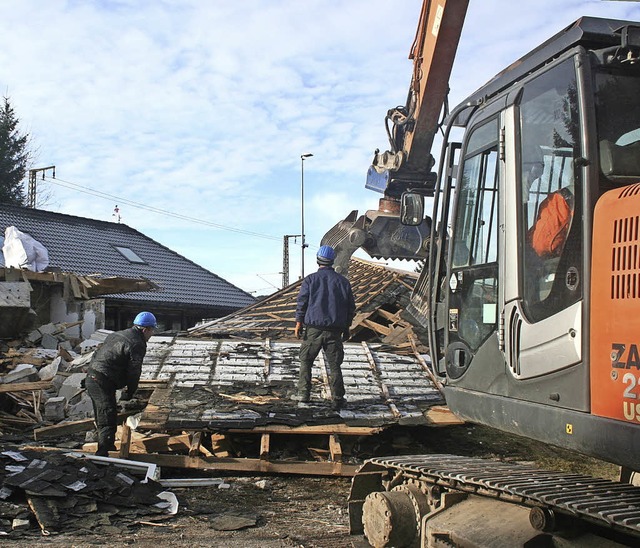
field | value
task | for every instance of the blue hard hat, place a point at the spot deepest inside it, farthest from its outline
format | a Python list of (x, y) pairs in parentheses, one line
[(145, 319), (326, 254)]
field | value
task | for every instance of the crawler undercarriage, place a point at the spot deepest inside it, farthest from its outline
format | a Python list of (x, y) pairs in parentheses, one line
[(446, 500)]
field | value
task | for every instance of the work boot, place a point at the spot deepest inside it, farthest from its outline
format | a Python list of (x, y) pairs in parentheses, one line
[(106, 443), (304, 405), (300, 399)]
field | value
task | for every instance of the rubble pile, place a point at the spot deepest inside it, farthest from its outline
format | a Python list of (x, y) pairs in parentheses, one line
[(49, 493), (41, 378)]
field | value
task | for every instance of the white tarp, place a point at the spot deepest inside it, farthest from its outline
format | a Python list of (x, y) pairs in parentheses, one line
[(21, 251)]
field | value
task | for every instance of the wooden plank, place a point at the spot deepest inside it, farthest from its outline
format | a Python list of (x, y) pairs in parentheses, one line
[(37, 399), (436, 382), (65, 428), (337, 428), (194, 449), (335, 448), (383, 387), (374, 326), (325, 373), (267, 360), (125, 441), (439, 415), (75, 287), (24, 386), (264, 446), (250, 465)]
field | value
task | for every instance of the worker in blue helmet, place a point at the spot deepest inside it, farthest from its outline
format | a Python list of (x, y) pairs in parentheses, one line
[(324, 312), (117, 364)]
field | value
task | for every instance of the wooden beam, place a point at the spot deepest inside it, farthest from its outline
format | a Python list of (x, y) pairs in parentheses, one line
[(436, 382), (335, 448), (24, 386), (264, 446), (325, 373), (125, 441), (374, 326), (439, 415), (66, 428), (250, 465), (267, 360), (383, 387), (194, 449), (337, 428)]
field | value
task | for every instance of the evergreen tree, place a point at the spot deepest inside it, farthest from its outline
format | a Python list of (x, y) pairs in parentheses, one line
[(14, 157)]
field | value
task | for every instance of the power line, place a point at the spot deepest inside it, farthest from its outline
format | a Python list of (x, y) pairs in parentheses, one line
[(111, 197)]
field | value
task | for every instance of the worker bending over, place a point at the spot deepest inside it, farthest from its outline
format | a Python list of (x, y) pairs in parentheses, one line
[(117, 364)]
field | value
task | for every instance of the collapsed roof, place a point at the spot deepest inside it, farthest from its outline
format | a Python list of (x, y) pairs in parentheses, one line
[(381, 294)]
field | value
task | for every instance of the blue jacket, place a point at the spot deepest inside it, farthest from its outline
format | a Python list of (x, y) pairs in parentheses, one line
[(326, 300)]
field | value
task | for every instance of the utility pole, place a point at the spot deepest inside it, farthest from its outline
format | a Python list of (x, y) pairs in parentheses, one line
[(304, 244), (285, 259), (31, 197)]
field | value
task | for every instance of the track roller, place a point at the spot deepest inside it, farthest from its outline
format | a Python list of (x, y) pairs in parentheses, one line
[(392, 518)]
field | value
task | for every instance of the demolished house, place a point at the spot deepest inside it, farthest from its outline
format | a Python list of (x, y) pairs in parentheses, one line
[(218, 398), (180, 292)]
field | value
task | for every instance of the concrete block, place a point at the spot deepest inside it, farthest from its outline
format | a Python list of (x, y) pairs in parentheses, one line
[(48, 329), (34, 336), (49, 371), (49, 341), (57, 381), (81, 410), (71, 386), (54, 408), (23, 372), (89, 345), (15, 294)]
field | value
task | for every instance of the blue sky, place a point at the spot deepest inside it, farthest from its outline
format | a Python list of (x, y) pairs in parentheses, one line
[(191, 115)]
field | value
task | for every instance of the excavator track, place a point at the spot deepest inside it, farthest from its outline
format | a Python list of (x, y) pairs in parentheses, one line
[(600, 502)]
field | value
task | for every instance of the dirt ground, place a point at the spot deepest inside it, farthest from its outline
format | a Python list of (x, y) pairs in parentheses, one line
[(298, 511)]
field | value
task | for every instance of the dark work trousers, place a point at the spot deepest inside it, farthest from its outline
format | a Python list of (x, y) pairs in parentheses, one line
[(105, 410), (329, 340)]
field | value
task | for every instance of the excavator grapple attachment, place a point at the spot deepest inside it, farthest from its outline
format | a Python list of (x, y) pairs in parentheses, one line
[(380, 234)]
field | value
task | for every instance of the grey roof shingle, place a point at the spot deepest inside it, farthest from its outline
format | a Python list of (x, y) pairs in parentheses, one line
[(87, 246)]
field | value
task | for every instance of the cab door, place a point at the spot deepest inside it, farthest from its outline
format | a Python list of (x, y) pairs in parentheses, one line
[(472, 301)]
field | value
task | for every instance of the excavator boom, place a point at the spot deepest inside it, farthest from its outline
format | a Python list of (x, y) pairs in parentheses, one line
[(411, 129)]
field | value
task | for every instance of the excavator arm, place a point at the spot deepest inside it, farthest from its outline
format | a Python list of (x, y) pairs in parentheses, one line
[(411, 129)]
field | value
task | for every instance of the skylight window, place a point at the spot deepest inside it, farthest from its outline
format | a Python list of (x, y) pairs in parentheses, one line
[(130, 254)]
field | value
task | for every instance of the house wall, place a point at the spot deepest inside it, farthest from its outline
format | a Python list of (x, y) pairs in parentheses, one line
[(64, 309)]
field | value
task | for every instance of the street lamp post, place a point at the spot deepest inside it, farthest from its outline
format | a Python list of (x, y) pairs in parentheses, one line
[(304, 245)]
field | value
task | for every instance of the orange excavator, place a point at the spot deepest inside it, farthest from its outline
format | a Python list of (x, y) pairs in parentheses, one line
[(530, 290)]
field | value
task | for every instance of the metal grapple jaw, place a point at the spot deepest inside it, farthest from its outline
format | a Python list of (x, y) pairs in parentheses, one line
[(381, 234)]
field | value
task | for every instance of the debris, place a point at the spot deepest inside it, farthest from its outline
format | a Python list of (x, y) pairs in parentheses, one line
[(234, 522), (67, 492), (23, 372), (381, 294), (263, 484), (191, 482), (54, 408)]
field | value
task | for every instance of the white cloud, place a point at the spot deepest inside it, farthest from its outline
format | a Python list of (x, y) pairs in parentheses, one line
[(203, 108)]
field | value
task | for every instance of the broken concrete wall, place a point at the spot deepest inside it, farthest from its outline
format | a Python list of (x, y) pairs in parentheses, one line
[(25, 306), (15, 308), (93, 314), (65, 309)]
